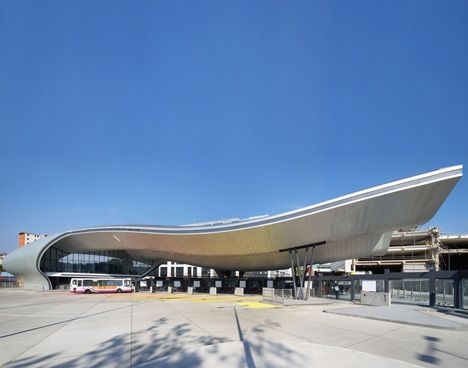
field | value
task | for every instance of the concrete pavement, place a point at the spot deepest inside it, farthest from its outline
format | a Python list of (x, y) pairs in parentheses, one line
[(55, 329), (406, 314)]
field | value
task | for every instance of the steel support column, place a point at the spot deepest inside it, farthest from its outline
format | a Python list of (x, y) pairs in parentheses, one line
[(458, 291), (300, 291), (293, 273), (386, 280), (432, 287), (311, 262)]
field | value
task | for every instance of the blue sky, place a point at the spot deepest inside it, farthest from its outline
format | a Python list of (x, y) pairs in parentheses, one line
[(178, 112)]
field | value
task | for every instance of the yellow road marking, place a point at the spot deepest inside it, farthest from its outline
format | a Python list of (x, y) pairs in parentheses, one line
[(256, 305), (198, 298)]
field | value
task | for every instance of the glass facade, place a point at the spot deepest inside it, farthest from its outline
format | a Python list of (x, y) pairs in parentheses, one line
[(109, 262)]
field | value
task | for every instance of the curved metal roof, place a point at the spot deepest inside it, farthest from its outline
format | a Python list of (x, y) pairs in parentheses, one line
[(354, 225)]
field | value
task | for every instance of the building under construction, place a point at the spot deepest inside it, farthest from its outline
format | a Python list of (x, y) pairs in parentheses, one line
[(419, 250)]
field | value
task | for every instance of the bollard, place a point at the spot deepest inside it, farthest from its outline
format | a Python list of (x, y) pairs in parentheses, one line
[(239, 291)]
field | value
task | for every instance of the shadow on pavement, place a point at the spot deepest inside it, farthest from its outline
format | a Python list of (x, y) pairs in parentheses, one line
[(429, 356), (159, 342), (162, 340)]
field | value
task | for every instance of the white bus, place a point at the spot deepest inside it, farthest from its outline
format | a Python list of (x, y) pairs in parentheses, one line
[(88, 286)]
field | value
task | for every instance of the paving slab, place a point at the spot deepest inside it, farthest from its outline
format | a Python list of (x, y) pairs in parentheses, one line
[(406, 314)]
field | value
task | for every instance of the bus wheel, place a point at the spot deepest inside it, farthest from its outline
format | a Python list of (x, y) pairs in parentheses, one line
[(87, 291), (119, 290)]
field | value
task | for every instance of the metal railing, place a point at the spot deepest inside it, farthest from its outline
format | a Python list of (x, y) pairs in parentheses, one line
[(277, 295), (283, 294), (443, 288)]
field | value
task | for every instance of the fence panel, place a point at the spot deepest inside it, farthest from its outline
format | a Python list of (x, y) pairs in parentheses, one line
[(445, 293), (410, 291), (465, 293)]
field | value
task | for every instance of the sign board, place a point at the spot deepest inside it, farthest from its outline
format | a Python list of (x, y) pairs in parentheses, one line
[(269, 283), (159, 283), (369, 285), (196, 283), (176, 283), (218, 284), (242, 284)]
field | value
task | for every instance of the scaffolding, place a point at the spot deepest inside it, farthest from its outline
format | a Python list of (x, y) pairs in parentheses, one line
[(419, 251)]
